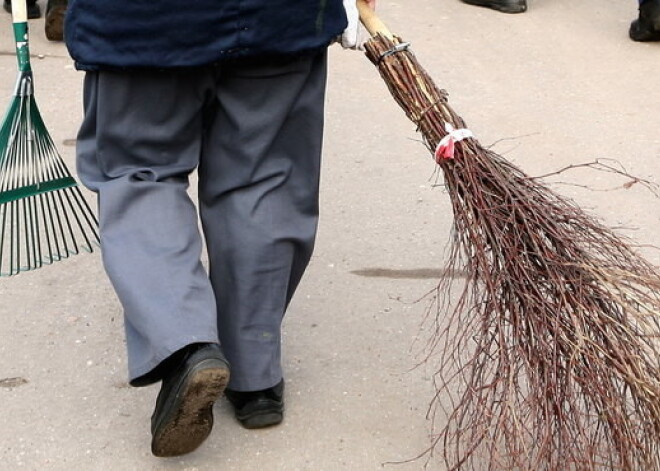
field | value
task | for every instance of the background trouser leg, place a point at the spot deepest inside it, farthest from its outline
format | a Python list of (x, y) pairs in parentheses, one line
[(259, 180)]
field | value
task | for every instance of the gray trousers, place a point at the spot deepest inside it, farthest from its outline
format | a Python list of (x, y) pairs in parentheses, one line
[(254, 132)]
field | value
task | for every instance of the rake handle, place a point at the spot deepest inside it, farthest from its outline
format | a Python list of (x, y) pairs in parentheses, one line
[(20, 23), (371, 21), (19, 11)]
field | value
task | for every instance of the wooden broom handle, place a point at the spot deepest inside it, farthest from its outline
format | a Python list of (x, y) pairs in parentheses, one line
[(371, 21)]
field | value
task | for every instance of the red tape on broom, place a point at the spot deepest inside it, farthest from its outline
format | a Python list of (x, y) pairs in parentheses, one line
[(446, 146)]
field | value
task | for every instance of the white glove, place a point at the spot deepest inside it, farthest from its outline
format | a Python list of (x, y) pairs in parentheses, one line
[(350, 38)]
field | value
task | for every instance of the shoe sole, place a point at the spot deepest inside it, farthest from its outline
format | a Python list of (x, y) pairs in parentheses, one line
[(55, 23), (189, 418)]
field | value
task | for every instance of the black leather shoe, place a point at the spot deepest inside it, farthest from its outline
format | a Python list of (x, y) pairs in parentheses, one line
[(647, 26), (506, 6), (258, 409), (55, 11), (33, 10), (183, 416)]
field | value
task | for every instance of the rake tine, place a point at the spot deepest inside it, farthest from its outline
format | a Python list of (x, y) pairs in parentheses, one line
[(45, 217)]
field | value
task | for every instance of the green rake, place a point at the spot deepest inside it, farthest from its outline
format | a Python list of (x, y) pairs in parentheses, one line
[(43, 214)]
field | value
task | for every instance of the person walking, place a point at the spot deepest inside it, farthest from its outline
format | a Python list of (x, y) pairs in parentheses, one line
[(645, 28), (234, 89), (54, 21)]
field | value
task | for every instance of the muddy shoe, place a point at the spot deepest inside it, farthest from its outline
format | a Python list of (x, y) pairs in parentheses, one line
[(55, 11), (506, 6), (33, 10), (258, 409), (183, 417), (647, 26)]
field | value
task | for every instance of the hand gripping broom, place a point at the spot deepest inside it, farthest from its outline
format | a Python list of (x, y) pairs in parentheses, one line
[(43, 215), (550, 356)]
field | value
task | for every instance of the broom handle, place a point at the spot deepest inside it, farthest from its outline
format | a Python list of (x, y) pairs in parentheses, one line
[(19, 18), (371, 22)]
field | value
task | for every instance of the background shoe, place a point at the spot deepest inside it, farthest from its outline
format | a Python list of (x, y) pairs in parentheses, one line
[(647, 26), (258, 409), (33, 10), (183, 417), (506, 6), (55, 11)]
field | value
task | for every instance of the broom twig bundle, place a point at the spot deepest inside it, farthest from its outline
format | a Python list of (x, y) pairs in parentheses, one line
[(43, 214), (549, 356)]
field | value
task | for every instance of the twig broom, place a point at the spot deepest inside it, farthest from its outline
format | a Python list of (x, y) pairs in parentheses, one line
[(550, 356), (43, 215)]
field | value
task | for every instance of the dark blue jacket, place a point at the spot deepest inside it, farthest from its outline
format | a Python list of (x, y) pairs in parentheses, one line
[(187, 33)]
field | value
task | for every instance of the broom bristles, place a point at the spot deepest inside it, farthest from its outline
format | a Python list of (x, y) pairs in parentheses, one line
[(43, 215), (549, 355)]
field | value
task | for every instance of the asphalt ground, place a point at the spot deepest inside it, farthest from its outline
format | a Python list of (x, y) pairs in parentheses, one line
[(556, 86)]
